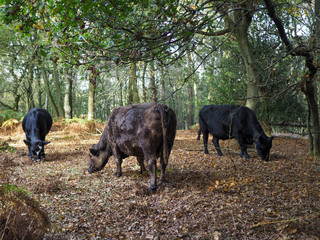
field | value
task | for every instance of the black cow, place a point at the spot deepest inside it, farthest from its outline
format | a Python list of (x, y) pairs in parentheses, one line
[(145, 130), (230, 121), (36, 125)]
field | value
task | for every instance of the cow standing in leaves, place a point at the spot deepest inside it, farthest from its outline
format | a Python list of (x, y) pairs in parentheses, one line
[(230, 121), (145, 130), (36, 125)]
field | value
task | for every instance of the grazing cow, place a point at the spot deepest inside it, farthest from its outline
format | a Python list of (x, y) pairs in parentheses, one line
[(36, 125), (230, 121), (145, 130)]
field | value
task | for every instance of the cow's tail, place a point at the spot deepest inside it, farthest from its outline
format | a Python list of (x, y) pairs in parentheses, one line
[(164, 113), (202, 126)]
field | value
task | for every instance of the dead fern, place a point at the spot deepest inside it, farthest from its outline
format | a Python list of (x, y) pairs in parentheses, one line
[(21, 216)]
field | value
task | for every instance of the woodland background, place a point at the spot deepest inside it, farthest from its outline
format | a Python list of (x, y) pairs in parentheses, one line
[(84, 58), (80, 59)]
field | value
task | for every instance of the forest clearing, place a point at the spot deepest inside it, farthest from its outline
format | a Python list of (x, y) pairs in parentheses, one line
[(78, 63), (206, 196)]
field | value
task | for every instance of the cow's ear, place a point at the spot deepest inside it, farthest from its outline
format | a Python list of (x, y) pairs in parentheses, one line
[(93, 151), (27, 142)]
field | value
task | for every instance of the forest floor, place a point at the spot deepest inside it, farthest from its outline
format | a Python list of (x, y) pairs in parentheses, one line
[(206, 196)]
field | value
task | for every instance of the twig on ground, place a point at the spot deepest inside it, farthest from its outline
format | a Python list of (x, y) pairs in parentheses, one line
[(284, 221)]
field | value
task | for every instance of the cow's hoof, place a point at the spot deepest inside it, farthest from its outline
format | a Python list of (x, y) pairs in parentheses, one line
[(164, 181), (153, 187)]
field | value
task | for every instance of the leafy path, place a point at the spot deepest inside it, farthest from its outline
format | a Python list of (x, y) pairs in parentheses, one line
[(206, 197)]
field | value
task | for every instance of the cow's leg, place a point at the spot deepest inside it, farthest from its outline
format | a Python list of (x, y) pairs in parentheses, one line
[(163, 166), (215, 142), (29, 152), (42, 155), (152, 164), (199, 133), (141, 164), (205, 141), (119, 169), (243, 147), (244, 152)]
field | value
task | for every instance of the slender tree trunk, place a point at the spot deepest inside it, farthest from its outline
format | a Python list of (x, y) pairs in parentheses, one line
[(144, 89), (195, 95), (120, 86), (153, 83), (16, 86), (57, 84), (133, 76), (68, 94), (92, 88), (163, 89), (190, 91), (30, 102), (38, 89), (130, 85), (48, 91)]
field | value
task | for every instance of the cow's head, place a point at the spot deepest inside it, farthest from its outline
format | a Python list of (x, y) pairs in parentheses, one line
[(263, 147), (36, 149), (98, 158)]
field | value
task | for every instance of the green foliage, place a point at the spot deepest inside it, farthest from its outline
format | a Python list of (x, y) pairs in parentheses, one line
[(224, 77), (4, 147), (10, 114), (9, 188), (82, 120)]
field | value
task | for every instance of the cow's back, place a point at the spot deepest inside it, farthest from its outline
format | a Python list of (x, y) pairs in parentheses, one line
[(226, 121), (217, 119), (138, 127), (37, 118)]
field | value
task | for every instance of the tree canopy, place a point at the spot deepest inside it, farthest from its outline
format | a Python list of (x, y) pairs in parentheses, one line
[(188, 53)]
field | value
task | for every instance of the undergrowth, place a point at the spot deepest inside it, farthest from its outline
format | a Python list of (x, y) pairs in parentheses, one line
[(21, 216)]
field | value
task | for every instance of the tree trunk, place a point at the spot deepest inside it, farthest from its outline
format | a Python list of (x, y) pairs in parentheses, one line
[(144, 89), (58, 89), (243, 20), (163, 89), (130, 86), (92, 88), (133, 76), (48, 91), (309, 90), (190, 91), (153, 83), (68, 94), (16, 86), (120, 85), (308, 85), (29, 92), (38, 89)]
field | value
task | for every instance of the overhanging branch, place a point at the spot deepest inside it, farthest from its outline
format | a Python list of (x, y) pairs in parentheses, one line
[(300, 50)]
